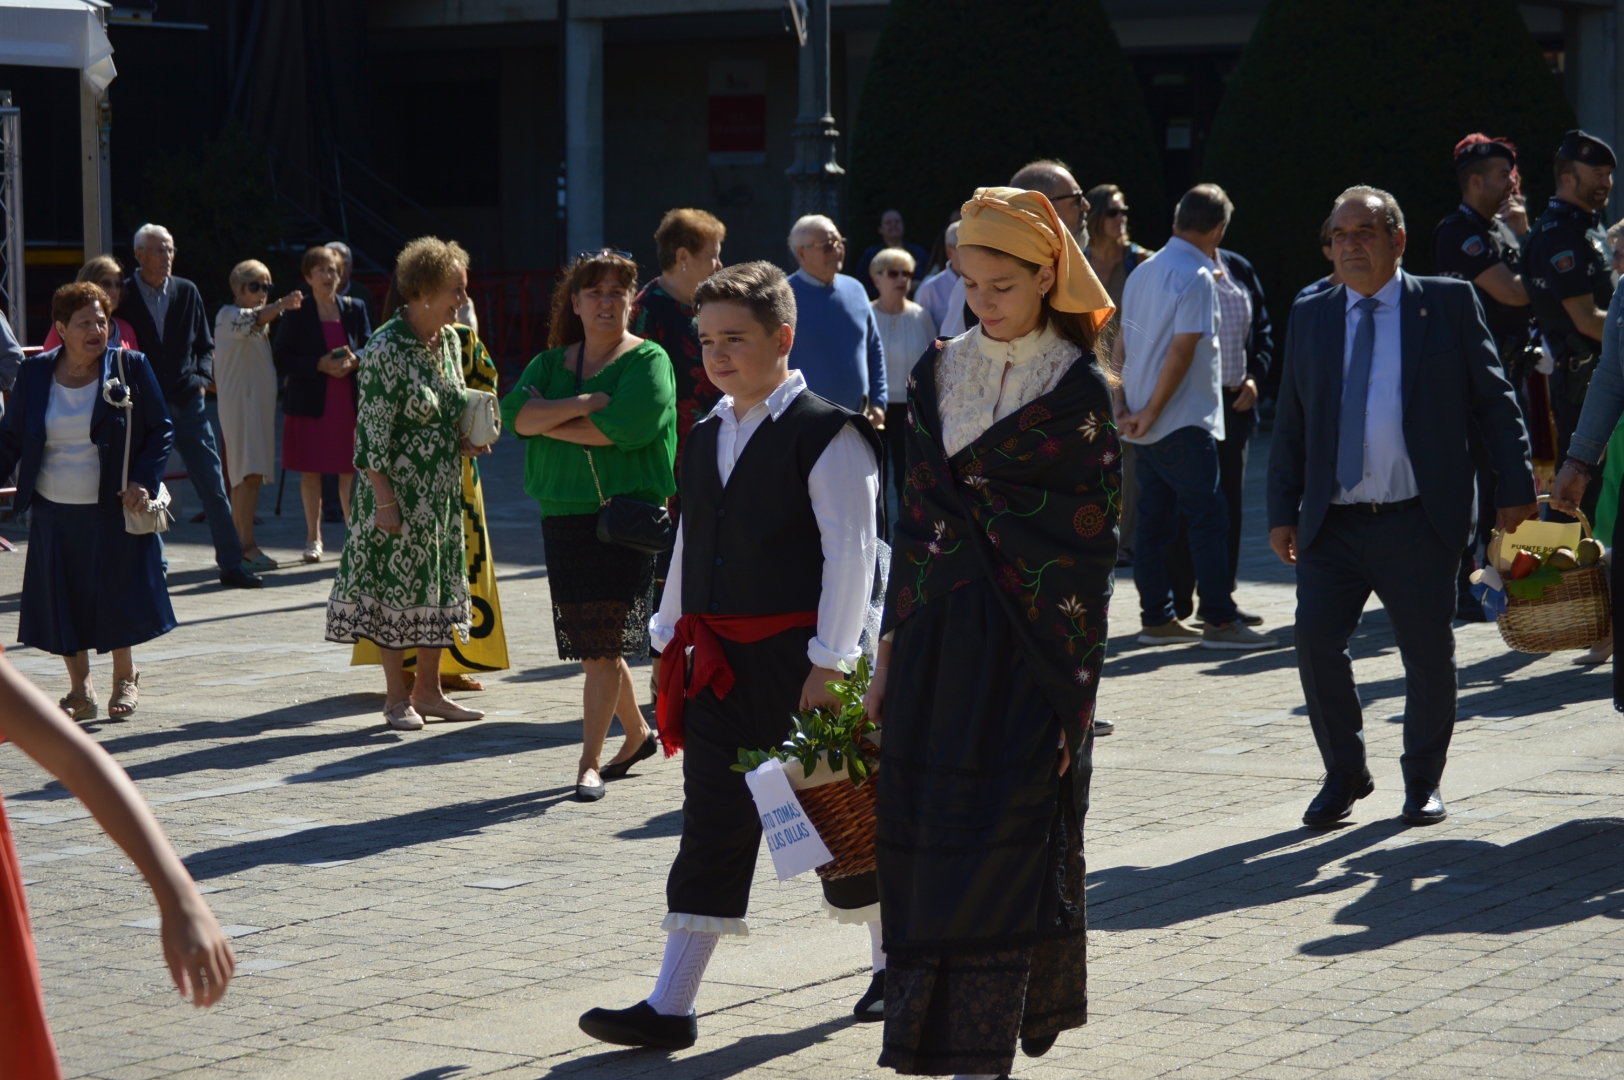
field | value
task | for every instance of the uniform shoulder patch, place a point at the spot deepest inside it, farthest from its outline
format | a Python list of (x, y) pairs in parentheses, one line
[(1563, 261), (1474, 246)]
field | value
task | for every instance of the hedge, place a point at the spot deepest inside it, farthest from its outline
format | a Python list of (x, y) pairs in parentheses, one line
[(1332, 93), (960, 94)]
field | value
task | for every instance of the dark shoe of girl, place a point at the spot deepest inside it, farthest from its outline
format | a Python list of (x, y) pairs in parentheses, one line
[(617, 769), (590, 792), (1038, 1047), (870, 1008)]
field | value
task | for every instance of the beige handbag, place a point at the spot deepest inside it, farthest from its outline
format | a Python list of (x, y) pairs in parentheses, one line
[(156, 517), (481, 422)]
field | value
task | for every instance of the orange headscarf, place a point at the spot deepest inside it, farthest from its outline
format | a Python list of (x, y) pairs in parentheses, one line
[(1025, 225)]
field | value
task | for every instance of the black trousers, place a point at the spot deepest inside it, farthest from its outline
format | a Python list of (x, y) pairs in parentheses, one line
[(721, 832), (895, 438), (1401, 558), (1239, 427)]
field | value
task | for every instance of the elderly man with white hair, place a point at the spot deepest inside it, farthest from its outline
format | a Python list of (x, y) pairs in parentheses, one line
[(837, 342), (167, 315)]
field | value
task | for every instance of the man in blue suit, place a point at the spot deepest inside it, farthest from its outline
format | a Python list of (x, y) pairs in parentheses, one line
[(1372, 488)]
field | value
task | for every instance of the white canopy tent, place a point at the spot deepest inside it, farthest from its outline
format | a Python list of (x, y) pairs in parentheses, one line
[(59, 34)]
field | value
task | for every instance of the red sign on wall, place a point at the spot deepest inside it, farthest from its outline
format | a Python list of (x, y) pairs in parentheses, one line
[(738, 112)]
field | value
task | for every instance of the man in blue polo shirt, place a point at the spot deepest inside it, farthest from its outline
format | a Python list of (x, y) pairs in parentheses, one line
[(837, 343)]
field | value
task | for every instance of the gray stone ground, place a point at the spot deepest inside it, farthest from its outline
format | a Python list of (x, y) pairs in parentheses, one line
[(354, 866)]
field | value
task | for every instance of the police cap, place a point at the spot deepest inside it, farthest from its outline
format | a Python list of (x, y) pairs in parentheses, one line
[(1588, 149), (1479, 147)]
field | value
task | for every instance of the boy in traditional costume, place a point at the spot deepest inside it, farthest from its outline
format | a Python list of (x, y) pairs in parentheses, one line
[(767, 598)]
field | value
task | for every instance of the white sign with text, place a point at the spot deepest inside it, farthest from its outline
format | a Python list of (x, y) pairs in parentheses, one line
[(795, 844)]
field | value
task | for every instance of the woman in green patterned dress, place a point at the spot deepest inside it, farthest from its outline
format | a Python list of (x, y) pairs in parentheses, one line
[(403, 579)]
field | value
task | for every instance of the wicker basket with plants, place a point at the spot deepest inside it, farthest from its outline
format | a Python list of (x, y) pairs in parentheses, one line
[(831, 759)]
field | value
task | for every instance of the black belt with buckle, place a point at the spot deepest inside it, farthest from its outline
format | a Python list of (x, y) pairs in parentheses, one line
[(1379, 508)]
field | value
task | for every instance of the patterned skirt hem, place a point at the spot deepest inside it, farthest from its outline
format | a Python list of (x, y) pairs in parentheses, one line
[(428, 626)]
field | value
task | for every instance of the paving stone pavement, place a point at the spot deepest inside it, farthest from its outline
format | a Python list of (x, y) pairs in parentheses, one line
[(418, 906)]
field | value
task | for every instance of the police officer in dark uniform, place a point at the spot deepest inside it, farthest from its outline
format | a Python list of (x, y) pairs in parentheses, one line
[(1565, 268), (1481, 243)]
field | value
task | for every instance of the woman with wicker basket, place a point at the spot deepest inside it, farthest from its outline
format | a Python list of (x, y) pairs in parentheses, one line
[(995, 634), (770, 584)]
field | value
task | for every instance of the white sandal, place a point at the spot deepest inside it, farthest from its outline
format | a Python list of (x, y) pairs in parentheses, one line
[(312, 552), (402, 717)]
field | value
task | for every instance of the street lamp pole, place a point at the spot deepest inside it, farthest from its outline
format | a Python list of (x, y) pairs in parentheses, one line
[(815, 176)]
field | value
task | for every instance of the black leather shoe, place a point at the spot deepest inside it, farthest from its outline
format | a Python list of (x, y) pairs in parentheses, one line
[(640, 1025), (870, 1008), (238, 578), (617, 769), (1248, 618), (1103, 727), (1335, 800), (1424, 806), (1038, 1047)]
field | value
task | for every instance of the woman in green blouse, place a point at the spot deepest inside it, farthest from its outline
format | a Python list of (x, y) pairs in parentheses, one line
[(598, 398)]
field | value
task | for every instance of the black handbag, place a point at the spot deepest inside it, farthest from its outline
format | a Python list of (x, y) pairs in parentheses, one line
[(624, 521)]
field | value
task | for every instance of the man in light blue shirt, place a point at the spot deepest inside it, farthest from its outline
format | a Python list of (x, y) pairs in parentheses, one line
[(1171, 406)]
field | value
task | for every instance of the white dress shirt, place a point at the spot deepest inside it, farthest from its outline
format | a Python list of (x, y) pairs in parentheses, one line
[(935, 292), (1173, 292), (1388, 475), (844, 485)]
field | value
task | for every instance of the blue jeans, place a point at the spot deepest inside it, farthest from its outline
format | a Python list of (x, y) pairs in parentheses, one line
[(1180, 475), (194, 438)]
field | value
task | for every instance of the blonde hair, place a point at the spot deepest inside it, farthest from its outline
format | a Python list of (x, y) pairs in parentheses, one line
[(889, 257), (426, 264), (97, 267), (241, 272)]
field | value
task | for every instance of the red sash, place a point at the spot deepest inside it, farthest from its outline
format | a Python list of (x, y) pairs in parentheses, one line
[(711, 669)]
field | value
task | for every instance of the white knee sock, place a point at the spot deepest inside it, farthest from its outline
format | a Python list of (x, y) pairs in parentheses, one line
[(686, 954), (876, 951)]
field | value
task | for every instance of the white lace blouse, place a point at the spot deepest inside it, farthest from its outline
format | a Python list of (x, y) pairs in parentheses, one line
[(980, 381)]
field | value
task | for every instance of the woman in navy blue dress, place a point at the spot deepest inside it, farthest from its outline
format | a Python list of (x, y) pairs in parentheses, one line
[(87, 583)]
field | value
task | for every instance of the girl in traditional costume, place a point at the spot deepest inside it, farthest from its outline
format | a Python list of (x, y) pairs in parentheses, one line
[(993, 640)]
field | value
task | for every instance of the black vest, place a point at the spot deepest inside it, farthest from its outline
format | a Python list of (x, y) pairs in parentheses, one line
[(753, 547)]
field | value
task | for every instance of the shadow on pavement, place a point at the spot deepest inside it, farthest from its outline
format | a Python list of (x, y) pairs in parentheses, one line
[(1563, 875), (357, 841)]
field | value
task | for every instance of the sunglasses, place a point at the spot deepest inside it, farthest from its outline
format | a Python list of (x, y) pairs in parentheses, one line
[(894, 273), (1078, 194), (601, 252), (110, 284), (258, 286), (1114, 211)]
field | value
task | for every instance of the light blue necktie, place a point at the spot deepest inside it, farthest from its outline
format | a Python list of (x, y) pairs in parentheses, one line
[(1350, 443)]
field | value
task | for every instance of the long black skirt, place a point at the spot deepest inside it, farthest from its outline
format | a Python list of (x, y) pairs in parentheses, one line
[(88, 584), (979, 846), (603, 594)]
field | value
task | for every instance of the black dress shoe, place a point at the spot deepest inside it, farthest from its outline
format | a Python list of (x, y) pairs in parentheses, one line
[(1424, 806), (1335, 800), (590, 792), (870, 1008), (1038, 1047), (640, 1025), (238, 578), (1103, 727), (1248, 618), (617, 769)]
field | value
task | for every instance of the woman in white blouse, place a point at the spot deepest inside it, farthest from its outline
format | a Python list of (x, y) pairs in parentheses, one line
[(83, 416), (245, 380), (906, 331)]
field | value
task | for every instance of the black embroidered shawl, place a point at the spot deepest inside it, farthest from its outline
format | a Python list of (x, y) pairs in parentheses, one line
[(1032, 504)]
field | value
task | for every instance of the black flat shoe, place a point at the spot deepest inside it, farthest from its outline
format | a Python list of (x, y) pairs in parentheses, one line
[(1424, 806), (590, 792), (1335, 800), (1038, 1047), (238, 578), (640, 1025), (1103, 727), (870, 1008), (617, 769)]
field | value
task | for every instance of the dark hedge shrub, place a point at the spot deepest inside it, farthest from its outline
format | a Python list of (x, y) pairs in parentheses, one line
[(961, 93), (1332, 93)]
